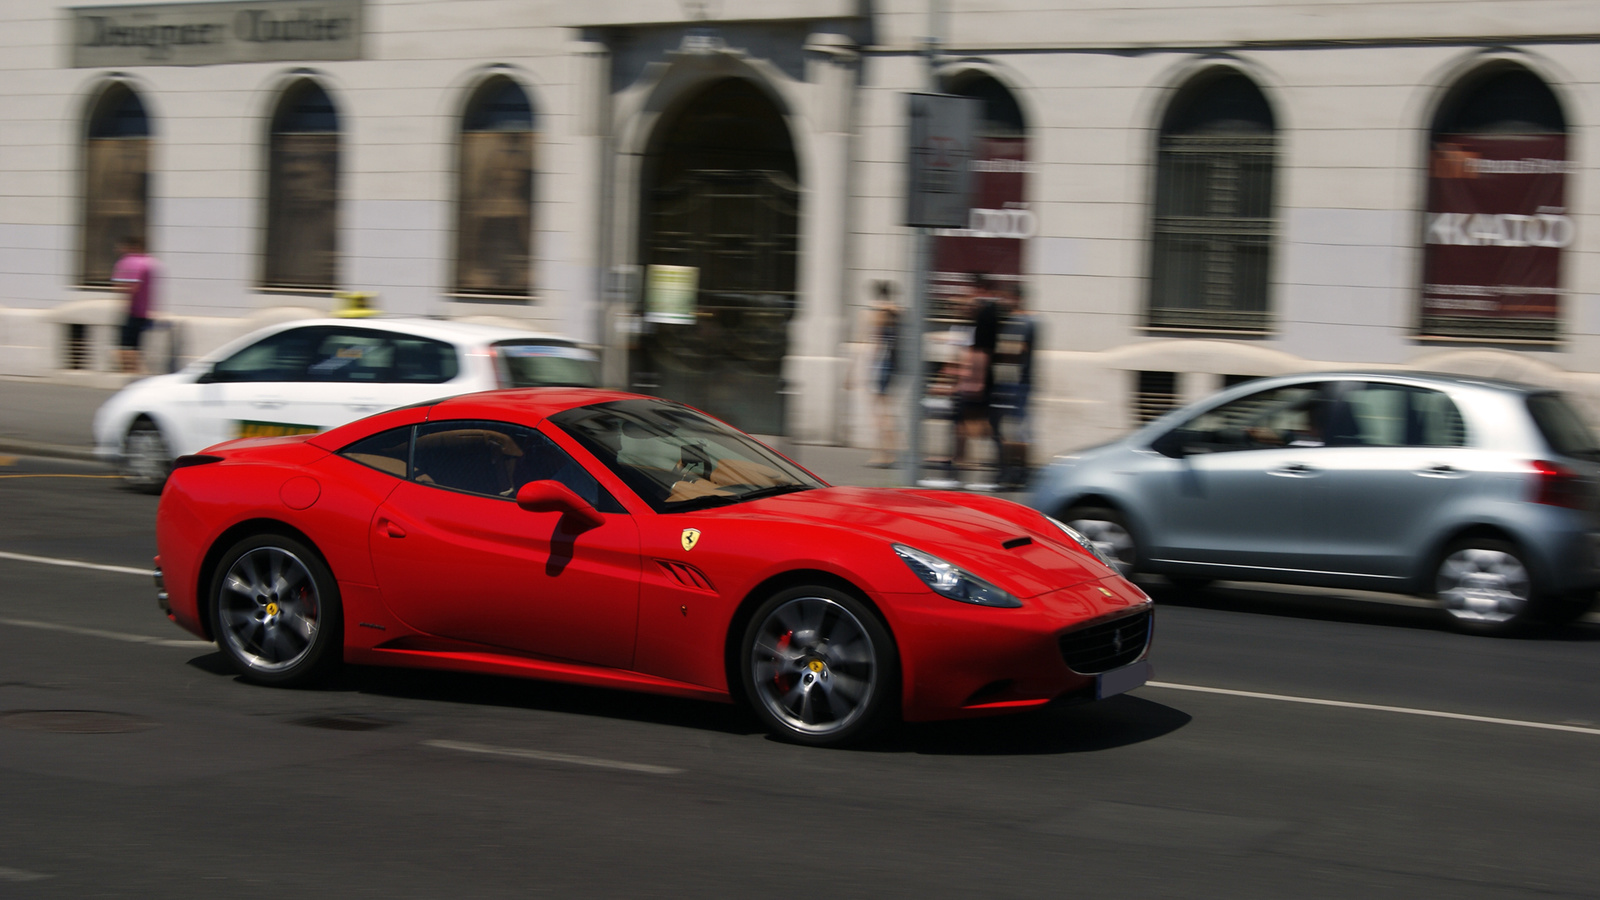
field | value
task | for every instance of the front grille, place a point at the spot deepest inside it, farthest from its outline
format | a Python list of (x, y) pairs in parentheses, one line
[(1103, 646)]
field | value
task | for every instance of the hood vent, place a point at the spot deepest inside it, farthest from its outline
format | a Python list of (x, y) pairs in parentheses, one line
[(1016, 542)]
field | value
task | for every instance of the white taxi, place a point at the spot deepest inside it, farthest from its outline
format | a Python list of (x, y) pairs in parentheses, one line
[(312, 375)]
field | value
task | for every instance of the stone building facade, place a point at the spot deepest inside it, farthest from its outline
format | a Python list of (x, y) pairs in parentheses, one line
[(1189, 194)]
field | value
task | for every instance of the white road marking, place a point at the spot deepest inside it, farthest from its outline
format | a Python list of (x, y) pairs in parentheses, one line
[(547, 756), (109, 635), (1403, 710), (77, 564), (18, 875)]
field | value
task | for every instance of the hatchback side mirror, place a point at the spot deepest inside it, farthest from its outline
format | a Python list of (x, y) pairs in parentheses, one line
[(1173, 444), (208, 376), (553, 496)]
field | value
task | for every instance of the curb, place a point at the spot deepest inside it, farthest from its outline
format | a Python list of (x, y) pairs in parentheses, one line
[(48, 451)]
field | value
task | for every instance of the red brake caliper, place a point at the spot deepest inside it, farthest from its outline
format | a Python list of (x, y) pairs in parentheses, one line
[(783, 645)]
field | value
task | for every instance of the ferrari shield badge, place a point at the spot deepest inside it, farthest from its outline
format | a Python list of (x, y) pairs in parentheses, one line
[(691, 536)]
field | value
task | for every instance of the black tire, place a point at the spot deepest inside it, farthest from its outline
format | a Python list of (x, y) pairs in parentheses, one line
[(1486, 587), (819, 667), (1190, 584), (146, 457), (1109, 531), (275, 611)]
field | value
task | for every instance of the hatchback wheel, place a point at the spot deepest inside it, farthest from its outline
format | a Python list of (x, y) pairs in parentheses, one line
[(1108, 531), (275, 611), (145, 458), (1485, 586), (819, 667)]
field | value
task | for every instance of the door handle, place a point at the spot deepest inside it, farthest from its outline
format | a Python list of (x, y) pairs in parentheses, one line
[(1294, 470), (1443, 470), (267, 402), (388, 527)]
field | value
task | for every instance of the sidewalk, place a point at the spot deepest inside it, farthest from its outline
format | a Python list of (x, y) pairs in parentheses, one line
[(46, 418)]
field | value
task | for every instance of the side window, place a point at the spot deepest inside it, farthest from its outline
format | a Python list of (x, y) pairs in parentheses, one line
[(1371, 415), (358, 356), (496, 458), (278, 357), (386, 451), (1435, 421), (1280, 417), (423, 361)]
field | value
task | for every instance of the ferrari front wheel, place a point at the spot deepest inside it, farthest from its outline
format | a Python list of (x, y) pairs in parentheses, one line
[(819, 667), (275, 611)]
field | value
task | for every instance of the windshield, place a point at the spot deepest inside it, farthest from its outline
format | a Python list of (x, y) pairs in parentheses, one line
[(677, 459), (1561, 426), (546, 364)]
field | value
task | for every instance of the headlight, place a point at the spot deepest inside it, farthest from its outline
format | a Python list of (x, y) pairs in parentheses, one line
[(948, 581), (1083, 542)]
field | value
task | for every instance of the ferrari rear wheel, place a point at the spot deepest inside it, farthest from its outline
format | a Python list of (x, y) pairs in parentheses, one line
[(275, 611), (819, 667)]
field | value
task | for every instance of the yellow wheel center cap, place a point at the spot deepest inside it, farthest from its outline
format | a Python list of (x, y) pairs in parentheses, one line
[(815, 665), (272, 609)]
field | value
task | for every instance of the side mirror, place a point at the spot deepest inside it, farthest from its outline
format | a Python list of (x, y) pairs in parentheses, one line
[(553, 496), (208, 376)]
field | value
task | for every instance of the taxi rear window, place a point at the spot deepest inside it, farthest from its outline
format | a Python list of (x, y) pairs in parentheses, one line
[(546, 364)]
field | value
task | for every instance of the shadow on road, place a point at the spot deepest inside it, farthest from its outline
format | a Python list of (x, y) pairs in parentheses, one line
[(1113, 723), (1336, 606)]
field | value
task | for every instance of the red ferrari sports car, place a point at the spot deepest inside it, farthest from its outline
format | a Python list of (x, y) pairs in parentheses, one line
[(610, 539)]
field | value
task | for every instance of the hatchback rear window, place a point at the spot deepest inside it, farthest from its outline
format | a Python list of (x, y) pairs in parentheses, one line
[(1563, 429), (544, 364)]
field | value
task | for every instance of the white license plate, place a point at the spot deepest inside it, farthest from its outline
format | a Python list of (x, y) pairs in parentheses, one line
[(1120, 681)]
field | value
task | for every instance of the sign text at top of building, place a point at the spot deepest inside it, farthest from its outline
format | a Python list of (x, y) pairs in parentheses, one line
[(200, 34)]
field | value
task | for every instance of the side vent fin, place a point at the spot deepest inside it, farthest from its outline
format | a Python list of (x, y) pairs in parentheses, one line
[(686, 575)]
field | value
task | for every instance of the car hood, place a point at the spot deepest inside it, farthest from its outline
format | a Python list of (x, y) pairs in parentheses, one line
[(967, 530)]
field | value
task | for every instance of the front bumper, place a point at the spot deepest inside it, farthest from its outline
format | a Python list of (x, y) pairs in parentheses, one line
[(962, 661)]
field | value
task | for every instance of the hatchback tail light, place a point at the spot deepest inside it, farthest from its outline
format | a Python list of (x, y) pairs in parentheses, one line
[(1557, 485)]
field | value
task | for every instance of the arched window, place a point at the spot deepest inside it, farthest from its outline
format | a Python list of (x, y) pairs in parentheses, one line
[(494, 225), (116, 178), (1497, 217), (1212, 233), (1000, 221), (303, 190)]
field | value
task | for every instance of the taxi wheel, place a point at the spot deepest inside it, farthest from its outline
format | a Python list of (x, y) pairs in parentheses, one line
[(275, 611), (819, 667), (1108, 531), (1486, 587), (146, 459)]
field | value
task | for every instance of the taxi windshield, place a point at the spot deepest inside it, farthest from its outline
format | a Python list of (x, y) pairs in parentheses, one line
[(677, 459)]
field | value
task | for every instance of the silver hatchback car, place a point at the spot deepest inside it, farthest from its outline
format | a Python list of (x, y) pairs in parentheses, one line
[(1480, 493)]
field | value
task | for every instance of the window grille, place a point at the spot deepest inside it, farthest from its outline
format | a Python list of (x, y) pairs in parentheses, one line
[(75, 350), (1213, 232), (494, 224), (303, 192), (1157, 394)]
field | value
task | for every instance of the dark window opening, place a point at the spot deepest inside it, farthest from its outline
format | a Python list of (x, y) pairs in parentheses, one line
[(1214, 214), (303, 190), (494, 227), (116, 180), (1156, 394)]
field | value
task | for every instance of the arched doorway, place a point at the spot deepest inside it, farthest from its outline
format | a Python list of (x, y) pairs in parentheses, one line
[(719, 225), (1000, 221), (1497, 218)]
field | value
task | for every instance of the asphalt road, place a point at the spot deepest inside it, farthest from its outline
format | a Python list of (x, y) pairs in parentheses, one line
[(396, 783)]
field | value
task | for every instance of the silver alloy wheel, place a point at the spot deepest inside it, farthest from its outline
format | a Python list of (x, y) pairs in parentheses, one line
[(145, 460), (813, 666), (268, 609), (1112, 539), (1481, 585)]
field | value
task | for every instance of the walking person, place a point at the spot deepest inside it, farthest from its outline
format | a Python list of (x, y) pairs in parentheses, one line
[(884, 326), (134, 276), (975, 382), (1013, 386)]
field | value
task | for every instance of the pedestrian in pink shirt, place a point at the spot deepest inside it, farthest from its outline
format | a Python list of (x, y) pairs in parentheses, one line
[(135, 278)]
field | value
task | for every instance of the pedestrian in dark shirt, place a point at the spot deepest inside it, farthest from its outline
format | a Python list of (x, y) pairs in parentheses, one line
[(1013, 387)]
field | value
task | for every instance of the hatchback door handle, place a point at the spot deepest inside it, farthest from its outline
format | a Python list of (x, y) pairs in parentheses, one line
[(389, 528), (1443, 470), (1294, 470)]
